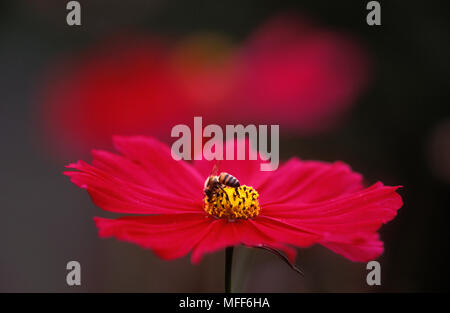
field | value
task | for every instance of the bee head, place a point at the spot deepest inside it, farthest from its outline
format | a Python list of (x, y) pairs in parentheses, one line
[(207, 182), (210, 180)]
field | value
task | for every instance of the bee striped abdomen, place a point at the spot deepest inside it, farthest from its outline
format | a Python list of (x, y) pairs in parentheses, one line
[(228, 180)]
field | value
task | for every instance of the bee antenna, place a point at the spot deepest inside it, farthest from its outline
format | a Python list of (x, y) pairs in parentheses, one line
[(215, 168)]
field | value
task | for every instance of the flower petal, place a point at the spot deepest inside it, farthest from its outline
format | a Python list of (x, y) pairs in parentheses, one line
[(113, 194), (347, 224), (224, 233), (129, 184), (156, 158), (169, 236), (281, 231), (309, 181), (366, 249)]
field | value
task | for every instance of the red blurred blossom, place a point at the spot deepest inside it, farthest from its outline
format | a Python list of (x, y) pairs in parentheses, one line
[(302, 203), (289, 72), (122, 87), (300, 75)]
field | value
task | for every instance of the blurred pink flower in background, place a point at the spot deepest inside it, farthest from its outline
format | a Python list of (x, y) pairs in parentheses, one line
[(299, 75), (122, 87), (288, 72)]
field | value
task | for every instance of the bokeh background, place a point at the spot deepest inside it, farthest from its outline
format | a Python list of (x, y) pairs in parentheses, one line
[(376, 97)]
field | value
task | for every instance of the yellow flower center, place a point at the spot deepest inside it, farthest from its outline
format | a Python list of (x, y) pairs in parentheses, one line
[(233, 203)]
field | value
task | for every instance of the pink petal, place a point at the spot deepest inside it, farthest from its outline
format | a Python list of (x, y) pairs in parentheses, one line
[(247, 232), (281, 231), (363, 250), (120, 184), (309, 181), (156, 158), (169, 236), (346, 224)]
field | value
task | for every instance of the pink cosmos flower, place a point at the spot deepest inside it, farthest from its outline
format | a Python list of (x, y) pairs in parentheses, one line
[(300, 75), (300, 204), (288, 72), (122, 86)]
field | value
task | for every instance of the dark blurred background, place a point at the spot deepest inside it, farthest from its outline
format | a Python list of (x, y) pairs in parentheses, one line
[(397, 131)]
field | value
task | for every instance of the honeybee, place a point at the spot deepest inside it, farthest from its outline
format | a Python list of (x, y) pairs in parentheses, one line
[(215, 182)]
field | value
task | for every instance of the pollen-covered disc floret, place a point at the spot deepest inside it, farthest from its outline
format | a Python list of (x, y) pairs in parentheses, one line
[(233, 203)]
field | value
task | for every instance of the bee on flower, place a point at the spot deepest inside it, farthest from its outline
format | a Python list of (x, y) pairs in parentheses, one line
[(300, 204)]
